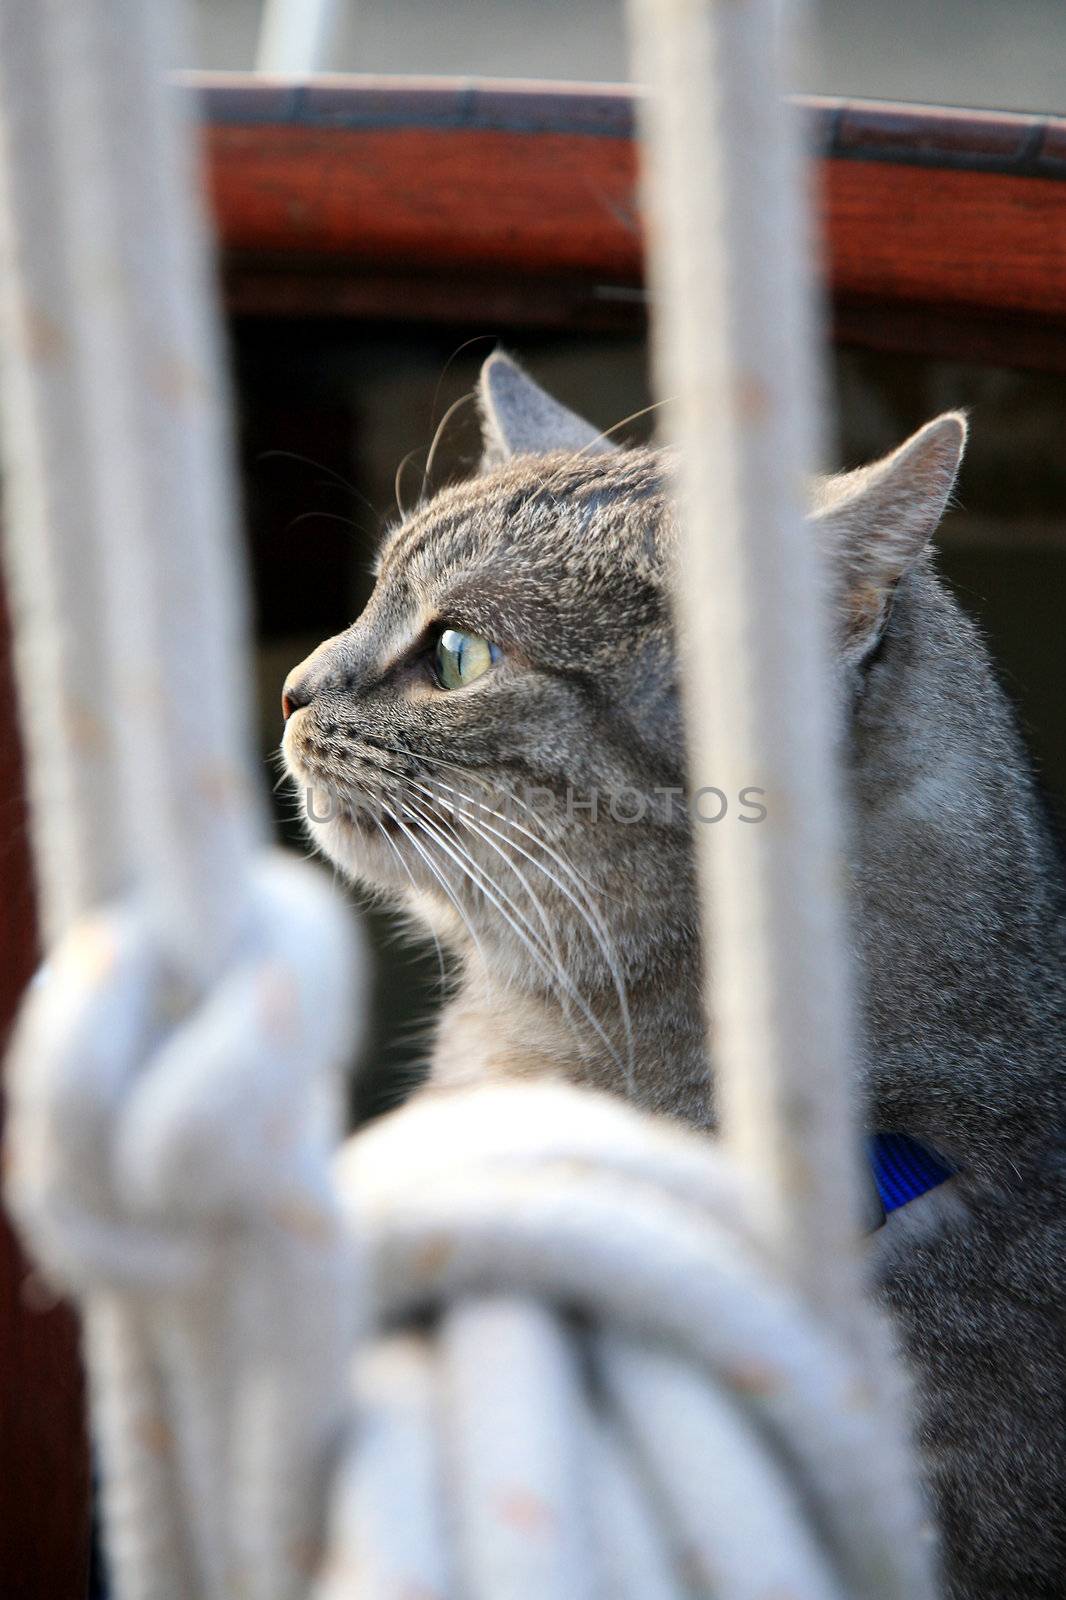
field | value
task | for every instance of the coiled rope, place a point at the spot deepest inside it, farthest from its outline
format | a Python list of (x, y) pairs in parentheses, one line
[(587, 1359), (599, 1386)]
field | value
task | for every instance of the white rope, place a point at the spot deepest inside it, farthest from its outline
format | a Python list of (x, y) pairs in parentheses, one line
[(728, 264), (587, 1329), (727, 260), (178, 1179), (50, 570), (133, 695), (296, 36)]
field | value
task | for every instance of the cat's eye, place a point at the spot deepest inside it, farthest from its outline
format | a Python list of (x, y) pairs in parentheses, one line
[(460, 658)]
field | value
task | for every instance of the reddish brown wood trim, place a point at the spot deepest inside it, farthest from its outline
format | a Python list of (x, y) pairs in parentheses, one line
[(940, 136), (918, 135), (354, 101), (976, 240), (402, 201), (417, 198), (44, 1456), (362, 179)]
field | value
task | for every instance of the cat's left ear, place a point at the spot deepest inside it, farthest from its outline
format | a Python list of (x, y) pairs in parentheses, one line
[(519, 419), (878, 520)]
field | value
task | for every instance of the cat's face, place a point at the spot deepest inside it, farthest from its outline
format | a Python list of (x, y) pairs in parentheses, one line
[(512, 675), (497, 739)]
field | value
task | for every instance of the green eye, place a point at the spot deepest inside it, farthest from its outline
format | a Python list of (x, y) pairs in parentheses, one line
[(462, 657)]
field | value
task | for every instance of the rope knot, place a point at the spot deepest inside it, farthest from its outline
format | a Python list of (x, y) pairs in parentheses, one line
[(148, 1121)]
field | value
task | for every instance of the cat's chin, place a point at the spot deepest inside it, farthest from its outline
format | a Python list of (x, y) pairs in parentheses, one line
[(363, 850), (348, 843)]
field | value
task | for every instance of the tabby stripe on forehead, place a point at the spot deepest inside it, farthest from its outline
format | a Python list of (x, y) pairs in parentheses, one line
[(415, 535), (458, 523)]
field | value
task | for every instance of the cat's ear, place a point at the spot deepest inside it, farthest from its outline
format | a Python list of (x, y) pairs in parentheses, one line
[(519, 419), (878, 520)]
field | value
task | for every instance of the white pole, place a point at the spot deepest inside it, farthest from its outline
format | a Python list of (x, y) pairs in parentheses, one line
[(296, 37)]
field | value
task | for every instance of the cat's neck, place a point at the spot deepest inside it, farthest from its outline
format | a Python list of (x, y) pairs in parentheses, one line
[(653, 1051)]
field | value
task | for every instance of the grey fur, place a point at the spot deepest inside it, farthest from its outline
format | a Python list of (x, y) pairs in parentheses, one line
[(517, 416), (565, 561)]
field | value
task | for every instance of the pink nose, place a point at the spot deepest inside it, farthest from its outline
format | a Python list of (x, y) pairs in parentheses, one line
[(296, 693)]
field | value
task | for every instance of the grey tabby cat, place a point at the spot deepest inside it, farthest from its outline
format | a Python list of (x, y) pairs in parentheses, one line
[(518, 646)]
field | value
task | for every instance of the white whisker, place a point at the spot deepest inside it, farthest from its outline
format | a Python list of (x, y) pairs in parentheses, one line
[(399, 856), (588, 912), (440, 878), (535, 950)]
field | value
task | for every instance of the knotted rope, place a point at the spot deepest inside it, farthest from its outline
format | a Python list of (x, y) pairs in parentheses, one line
[(578, 1368), (169, 1163), (214, 987)]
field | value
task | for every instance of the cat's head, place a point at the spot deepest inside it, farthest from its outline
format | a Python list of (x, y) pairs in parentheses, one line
[(498, 738)]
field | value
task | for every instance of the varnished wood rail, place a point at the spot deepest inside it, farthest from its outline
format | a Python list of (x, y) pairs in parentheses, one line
[(515, 203)]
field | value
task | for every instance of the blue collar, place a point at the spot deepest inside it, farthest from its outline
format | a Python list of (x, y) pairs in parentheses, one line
[(903, 1169)]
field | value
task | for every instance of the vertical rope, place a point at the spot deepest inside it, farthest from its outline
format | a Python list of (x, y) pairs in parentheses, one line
[(129, 623), (295, 36), (116, 427), (146, 372), (724, 197), (46, 465), (729, 270)]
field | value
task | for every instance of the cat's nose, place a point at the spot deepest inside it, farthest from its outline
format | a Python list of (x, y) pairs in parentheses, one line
[(296, 692), (316, 674)]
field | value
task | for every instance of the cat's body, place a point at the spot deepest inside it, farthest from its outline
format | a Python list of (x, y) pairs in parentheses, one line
[(959, 926), (555, 570)]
